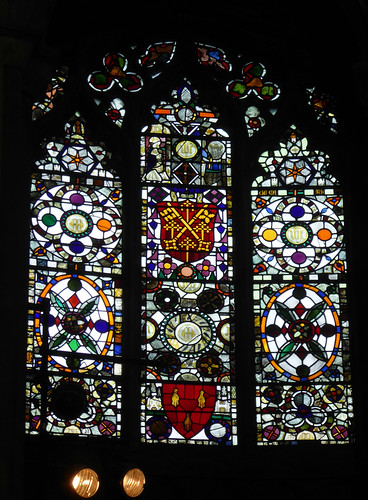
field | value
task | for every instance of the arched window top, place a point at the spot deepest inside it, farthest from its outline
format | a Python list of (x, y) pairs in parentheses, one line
[(184, 115), (188, 391), (294, 164), (75, 153), (250, 84), (74, 321), (186, 174), (202, 142)]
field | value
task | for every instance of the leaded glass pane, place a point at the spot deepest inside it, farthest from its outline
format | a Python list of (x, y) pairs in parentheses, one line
[(253, 81), (158, 53), (323, 105), (213, 56), (299, 291), (188, 392), (75, 294), (54, 89), (113, 74)]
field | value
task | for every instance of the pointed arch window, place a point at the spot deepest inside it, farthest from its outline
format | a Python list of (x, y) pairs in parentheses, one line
[(188, 390), (75, 295), (300, 297), (188, 395)]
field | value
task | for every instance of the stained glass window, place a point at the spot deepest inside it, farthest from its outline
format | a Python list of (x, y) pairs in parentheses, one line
[(54, 89), (75, 294), (161, 52), (253, 81), (323, 105), (213, 56), (116, 111), (74, 341), (300, 298), (254, 120), (114, 73), (188, 393)]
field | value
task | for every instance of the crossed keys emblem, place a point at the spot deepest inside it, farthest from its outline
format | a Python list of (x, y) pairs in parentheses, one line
[(187, 229)]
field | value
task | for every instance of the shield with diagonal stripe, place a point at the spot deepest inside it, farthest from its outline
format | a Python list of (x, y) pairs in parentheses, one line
[(187, 229)]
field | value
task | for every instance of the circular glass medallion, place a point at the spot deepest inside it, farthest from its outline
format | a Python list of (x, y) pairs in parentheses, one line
[(186, 149), (188, 333), (209, 365), (74, 323), (185, 114), (158, 427), (168, 363), (76, 223), (68, 400), (218, 430), (300, 332), (210, 301), (295, 235), (166, 299)]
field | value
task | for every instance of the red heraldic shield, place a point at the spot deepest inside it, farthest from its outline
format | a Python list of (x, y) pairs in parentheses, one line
[(187, 229), (188, 406)]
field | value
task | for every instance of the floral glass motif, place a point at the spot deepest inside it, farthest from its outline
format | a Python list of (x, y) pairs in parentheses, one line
[(114, 72), (188, 392), (300, 298), (116, 111), (75, 294), (253, 82)]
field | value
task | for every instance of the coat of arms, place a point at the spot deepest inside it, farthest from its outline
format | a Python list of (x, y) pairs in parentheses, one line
[(189, 406), (187, 229)]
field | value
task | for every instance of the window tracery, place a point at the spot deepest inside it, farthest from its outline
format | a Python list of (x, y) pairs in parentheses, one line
[(299, 288)]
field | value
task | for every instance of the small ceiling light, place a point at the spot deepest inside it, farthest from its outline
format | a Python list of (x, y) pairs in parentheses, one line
[(133, 482), (86, 483)]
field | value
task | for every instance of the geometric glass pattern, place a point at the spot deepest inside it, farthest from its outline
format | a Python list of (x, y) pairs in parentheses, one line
[(188, 391), (75, 296), (300, 298)]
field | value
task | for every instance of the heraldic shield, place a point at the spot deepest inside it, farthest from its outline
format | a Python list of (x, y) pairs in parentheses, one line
[(187, 229), (188, 407)]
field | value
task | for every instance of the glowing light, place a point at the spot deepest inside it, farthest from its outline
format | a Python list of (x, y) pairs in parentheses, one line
[(86, 483), (133, 482)]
